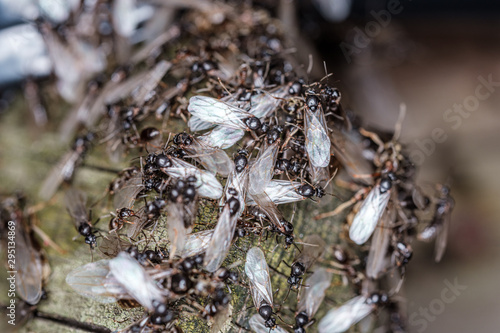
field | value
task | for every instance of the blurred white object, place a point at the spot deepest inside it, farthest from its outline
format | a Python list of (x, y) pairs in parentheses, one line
[(75, 61), (334, 10), (12, 11), (56, 11), (127, 15), (23, 54)]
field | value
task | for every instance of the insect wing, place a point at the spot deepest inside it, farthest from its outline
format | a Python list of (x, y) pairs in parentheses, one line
[(265, 204), (319, 175), (313, 293), (258, 274), (126, 195), (222, 137), (280, 192), (132, 276), (258, 325), (212, 158), (63, 171), (339, 319), (262, 169), (140, 222), (197, 243), (239, 182), (350, 154), (76, 201), (365, 221), (28, 265), (217, 112), (140, 94), (207, 185), (221, 240), (376, 261), (88, 280), (313, 249), (112, 244), (264, 104), (176, 228), (442, 238), (196, 124), (419, 198), (317, 140)]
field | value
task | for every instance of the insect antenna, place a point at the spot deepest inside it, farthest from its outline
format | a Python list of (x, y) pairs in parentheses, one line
[(357, 197), (282, 320), (99, 168), (276, 270)]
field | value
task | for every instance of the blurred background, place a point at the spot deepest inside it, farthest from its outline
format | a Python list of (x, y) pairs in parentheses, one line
[(440, 58), (431, 55)]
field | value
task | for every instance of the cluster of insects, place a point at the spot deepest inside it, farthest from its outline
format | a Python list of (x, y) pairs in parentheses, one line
[(221, 147)]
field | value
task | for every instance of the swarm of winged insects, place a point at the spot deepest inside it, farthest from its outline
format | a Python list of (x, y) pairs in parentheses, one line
[(184, 151)]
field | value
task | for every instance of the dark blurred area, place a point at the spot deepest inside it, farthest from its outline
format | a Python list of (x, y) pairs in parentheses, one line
[(433, 56)]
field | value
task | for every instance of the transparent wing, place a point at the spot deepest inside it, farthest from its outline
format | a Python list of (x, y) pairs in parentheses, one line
[(313, 293), (63, 170), (314, 246), (197, 243), (261, 171), (76, 201), (419, 198), (222, 137), (176, 229), (126, 195), (221, 240), (317, 140), (132, 276), (149, 82), (264, 104), (269, 209), (369, 213), (442, 238), (196, 124), (339, 319), (239, 182), (112, 244), (207, 185), (376, 262), (88, 280), (319, 175), (257, 325), (349, 152), (257, 272), (139, 223), (212, 158), (28, 264), (217, 112), (280, 192)]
